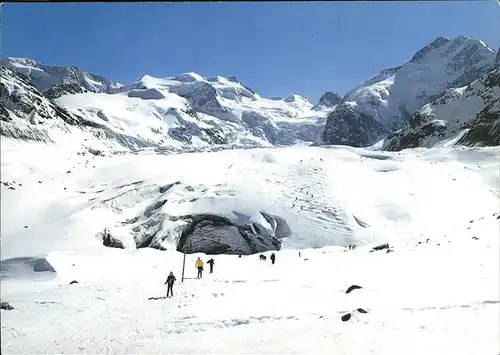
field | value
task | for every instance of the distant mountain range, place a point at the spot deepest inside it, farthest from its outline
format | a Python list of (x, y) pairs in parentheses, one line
[(448, 92)]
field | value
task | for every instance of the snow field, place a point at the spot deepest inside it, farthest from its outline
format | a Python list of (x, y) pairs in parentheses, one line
[(436, 293)]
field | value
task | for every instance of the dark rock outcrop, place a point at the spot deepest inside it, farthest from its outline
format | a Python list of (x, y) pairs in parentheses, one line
[(73, 282), (213, 234), (146, 94), (181, 134), (6, 306), (63, 89), (109, 241), (380, 247), (485, 129), (327, 100), (42, 265), (348, 126)]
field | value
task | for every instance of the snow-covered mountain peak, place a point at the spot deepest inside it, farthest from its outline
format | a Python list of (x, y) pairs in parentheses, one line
[(450, 49), (297, 99), (329, 100), (20, 61), (389, 99)]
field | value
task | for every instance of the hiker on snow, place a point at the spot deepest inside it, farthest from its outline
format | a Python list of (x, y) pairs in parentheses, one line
[(199, 266), (211, 262), (273, 258), (170, 284)]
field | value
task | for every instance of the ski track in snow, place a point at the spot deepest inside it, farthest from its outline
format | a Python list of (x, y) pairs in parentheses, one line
[(437, 293)]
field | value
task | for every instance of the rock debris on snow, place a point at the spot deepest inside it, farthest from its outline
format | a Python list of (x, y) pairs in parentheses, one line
[(352, 288), (6, 306)]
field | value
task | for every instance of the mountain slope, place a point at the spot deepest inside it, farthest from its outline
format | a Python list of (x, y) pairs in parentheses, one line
[(26, 114), (44, 77), (183, 111), (389, 100), (469, 115), (328, 100), (23, 109)]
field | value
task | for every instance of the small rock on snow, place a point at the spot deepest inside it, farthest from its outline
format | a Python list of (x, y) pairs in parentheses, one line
[(352, 288), (6, 306)]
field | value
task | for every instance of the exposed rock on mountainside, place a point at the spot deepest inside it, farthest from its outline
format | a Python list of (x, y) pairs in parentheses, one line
[(390, 99), (44, 77), (21, 103), (328, 100), (469, 115), (176, 112), (64, 89), (27, 114)]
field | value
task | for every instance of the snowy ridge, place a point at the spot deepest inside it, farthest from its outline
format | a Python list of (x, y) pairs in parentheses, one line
[(388, 100), (328, 99), (43, 77), (186, 110)]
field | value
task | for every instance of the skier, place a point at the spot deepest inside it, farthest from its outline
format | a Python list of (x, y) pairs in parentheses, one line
[(170, 284), (300, 254), (199, 266), (211, 262), (273, 258)]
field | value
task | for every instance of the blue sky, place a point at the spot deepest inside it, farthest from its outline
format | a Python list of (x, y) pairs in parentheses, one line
[(275, 48)]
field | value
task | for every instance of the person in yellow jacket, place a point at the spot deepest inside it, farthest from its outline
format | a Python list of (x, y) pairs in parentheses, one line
[(199, 266)]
